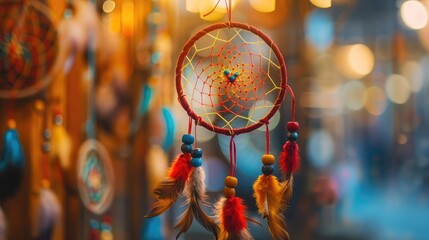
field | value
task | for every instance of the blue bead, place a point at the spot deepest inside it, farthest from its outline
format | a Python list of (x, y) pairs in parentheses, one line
[(226, 72), (267, 169), (186, 148), (196, 162), (292, 136), (236, 74), (188, 138), (197, 153), (231, 78)]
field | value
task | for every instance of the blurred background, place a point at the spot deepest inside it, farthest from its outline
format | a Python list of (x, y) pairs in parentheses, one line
[(359, 70)]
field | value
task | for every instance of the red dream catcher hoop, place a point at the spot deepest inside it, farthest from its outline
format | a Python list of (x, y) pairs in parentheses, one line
[(231, 79), (28, 48)]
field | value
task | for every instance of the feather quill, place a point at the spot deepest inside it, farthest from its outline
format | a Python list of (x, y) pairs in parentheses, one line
[(169, 190), (231, 216), (267, 190), (195, 193)]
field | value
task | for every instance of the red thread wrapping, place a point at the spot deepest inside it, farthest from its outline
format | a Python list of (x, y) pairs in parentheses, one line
[(181, 167), (289, 158), (234, 219)]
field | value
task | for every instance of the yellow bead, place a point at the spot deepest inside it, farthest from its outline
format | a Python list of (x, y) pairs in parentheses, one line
[(231, 182), (229, 192), (268, 159)]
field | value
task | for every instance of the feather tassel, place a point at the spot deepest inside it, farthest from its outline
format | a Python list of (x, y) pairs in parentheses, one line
[(267, 190), (289, 158), (195, 193), (11, 163), (231, 215), (169, 190), (49, 215)]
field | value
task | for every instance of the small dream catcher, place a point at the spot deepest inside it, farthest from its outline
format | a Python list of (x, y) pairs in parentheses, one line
[(28, 48), (231, 79)]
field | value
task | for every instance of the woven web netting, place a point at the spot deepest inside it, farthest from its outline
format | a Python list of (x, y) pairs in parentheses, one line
[(231, 79)]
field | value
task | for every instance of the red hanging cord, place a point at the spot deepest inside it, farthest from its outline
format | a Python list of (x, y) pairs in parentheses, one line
[(189, 125), (228, 7), (267, 138), (195, 134), (232, 156), (293, 102)]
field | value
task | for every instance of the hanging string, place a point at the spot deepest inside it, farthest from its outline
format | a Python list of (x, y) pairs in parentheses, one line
[(195, 133), (267, 138), (228, 6), (293, 102), (189, 125), (91, 86), (232, 156)]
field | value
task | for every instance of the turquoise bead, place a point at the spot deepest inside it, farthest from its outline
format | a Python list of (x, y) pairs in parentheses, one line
[(226, 72), (188, 139), (186, 148), (292, 136), (236, 74), (197, 153), (231, 78), (196, 162)]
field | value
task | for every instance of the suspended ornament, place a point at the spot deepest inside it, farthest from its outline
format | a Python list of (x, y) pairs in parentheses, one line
[(61, 142), (11, 163), (28, 48), (231, 79), (95, 177), (49, 213), (95, 174)]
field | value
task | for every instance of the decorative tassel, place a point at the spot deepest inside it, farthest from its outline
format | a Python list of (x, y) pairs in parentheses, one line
[(169, 190), (61, 143), (289, 158), (271, 199), (195, 193), (231, 214), (49, 214), (11, 162)]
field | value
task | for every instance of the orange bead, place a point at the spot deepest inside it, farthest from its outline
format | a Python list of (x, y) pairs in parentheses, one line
[(268, 159), (231, 182), (229, 192), (11, 124)]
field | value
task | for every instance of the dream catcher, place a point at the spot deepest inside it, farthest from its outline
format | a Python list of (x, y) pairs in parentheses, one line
[(95, 172), (28, 48), (161, 121), (231, 79)]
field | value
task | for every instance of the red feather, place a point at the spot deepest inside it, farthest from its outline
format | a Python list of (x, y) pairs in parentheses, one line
[(289, 158), (181, 168), (233, 217)]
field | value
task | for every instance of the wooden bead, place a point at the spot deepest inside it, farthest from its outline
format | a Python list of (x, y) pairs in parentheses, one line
[(268, 159), (231, 181), (229, 192)]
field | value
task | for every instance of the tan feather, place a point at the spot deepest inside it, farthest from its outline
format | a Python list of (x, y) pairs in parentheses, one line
[(169, 188), (195, 192), (160, 206), (267, 190)]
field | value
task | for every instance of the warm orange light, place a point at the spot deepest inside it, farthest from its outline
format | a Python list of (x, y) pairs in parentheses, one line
[(322, 3), (414, 14), (263, 5), (193, 6), (128, 18)]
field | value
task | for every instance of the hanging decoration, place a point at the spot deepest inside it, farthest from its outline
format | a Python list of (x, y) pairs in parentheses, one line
[(50, 207), (12, 161), (231, 79), (94, 167), (28, 46)]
